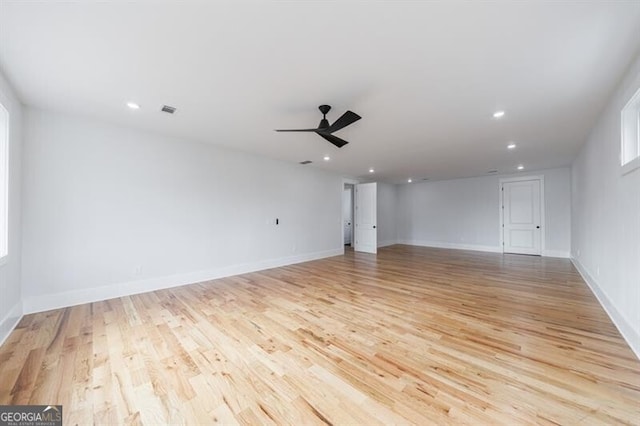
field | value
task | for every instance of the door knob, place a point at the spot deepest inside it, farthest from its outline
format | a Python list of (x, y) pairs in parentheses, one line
[(374, 227), (538, 227)]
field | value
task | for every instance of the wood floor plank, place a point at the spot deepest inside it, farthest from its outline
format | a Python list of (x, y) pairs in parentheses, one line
[(413, 335)]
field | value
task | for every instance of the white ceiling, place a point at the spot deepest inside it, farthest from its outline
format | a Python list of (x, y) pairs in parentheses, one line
[(425, 76)]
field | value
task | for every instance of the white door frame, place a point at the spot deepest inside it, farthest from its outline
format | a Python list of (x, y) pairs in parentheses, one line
[(501, 183), (353, 182)]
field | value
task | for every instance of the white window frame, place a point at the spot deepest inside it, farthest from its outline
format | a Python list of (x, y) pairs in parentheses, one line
[(4, 184), (630, 134)]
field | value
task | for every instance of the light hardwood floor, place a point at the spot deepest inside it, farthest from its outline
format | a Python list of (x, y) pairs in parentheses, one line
[(412, 335)]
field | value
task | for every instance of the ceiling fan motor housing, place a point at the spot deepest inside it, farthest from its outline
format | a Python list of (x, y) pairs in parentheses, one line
[(324, 109)]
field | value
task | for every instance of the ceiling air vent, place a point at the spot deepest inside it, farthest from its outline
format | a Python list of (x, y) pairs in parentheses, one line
[(492, 171), (306, 162), (168, 109)]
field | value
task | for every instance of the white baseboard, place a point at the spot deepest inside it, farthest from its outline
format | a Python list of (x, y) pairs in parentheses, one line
[(10, 321), (47, 302), (557, 253), (476, 247), (438, 244), (629, 334), (386, 243)]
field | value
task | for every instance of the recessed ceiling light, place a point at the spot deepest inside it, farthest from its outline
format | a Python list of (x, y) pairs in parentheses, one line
[(511, 145), (409, 180), (133, 105), (326, 158), (498, 114), (371, 170), (520, 167)]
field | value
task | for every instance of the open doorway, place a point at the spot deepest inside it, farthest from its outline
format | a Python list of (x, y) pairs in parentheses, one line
[(347, 214)]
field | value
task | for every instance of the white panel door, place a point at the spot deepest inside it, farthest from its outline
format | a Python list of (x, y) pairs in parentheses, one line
[(522, 231), (347, 213), (366, 212)]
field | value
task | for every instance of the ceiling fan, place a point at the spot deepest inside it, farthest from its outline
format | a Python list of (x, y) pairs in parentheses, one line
[(325, 130)]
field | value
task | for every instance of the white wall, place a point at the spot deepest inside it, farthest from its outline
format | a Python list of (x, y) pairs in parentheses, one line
[(387, 214), (606, 216), (464, 213), (111, 211), (10, 295)]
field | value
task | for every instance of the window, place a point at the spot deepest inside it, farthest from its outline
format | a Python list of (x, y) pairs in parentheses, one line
[(4, 181), (630, 126)]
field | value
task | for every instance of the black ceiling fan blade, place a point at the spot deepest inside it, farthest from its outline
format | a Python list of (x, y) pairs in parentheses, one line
[(296, 130), (333, 139), (347, 118)]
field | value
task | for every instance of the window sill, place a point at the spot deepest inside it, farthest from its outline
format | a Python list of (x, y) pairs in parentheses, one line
[(631, 166)]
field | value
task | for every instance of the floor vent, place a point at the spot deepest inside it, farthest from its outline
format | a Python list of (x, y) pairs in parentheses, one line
[(168, 109), (306, 162)]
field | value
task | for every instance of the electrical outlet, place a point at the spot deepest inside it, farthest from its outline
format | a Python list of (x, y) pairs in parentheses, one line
[(137, 270)]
